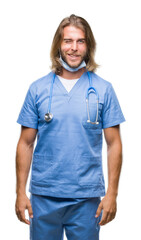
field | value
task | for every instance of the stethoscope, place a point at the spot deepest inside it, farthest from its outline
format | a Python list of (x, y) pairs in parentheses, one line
[(49, 115)]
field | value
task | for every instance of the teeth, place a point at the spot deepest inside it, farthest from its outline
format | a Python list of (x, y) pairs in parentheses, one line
[(73, 55)]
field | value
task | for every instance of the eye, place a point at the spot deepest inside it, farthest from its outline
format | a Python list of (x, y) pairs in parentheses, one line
[(67, 40), (81, 41)]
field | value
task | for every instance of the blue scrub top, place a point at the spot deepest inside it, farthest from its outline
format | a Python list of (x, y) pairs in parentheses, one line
[(67, 159)]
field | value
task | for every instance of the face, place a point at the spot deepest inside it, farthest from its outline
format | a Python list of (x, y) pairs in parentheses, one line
[(73, 46)]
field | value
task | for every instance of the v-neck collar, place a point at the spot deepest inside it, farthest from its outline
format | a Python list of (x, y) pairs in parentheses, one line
[(74, 88)]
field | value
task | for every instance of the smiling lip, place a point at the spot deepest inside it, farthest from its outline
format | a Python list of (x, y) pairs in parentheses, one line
[(73, 56)]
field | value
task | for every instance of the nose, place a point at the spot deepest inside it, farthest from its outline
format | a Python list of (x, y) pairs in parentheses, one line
[(74, 46)]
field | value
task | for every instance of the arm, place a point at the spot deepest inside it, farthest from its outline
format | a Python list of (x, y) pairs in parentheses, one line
[(24, 153), (114, 157)]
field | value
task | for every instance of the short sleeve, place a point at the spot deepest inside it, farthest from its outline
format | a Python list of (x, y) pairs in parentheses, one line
[(112, 114), (28, 115)]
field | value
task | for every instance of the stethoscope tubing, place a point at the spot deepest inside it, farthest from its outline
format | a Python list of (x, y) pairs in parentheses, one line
[(51, 91), (49, 115)]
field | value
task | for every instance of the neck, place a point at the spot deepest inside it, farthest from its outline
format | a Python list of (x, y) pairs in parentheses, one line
[(72, 75)]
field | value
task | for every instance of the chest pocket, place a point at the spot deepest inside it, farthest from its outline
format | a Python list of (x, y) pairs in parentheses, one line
[(92, 109)]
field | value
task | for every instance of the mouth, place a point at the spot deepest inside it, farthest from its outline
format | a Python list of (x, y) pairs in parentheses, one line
[(73, 56)]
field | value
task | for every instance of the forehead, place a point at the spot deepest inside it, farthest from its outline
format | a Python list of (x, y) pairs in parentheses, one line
[(73, 32)]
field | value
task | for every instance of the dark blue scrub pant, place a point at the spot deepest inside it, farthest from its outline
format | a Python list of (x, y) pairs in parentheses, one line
[(52, 215)]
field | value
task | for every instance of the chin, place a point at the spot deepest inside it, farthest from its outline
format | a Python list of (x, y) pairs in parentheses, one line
[(74, 65)]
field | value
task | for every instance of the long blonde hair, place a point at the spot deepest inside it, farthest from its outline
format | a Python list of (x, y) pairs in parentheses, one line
[(81, 23)]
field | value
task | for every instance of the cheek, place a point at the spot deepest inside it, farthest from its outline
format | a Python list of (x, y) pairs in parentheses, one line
[(65, 48), (83, 49)]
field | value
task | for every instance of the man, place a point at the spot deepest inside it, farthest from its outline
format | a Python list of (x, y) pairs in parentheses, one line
[(68, 110)]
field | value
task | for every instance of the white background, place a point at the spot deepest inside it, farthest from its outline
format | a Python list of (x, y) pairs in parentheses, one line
[(26, 30)]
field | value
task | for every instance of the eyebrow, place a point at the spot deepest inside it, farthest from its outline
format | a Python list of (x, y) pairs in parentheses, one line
[(77, 39)]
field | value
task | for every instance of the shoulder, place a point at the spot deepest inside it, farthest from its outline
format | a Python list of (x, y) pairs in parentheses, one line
[(41, 85), (102, 86), (101, 82), (41, 82)]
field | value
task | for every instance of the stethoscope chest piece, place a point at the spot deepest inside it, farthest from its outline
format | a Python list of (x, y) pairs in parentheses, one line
[(48, 117)]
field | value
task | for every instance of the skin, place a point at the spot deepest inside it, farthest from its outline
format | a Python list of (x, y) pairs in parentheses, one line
[(73, 50), (77, 48), (23, 162), (114, 160)]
